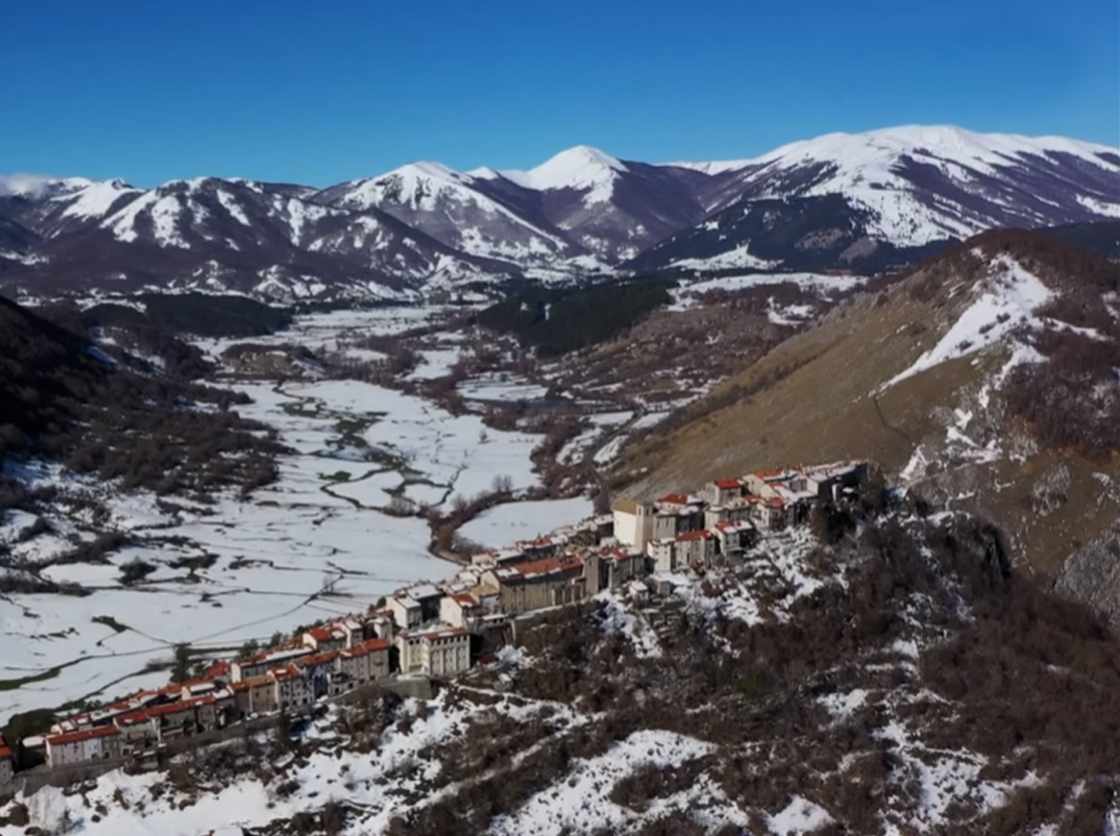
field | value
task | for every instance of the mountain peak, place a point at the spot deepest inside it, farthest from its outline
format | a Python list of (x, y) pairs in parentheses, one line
[(426, 168), (582, 168)]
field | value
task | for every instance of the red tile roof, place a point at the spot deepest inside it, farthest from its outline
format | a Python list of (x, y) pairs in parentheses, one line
[(285, 673), (317, 659), (5, 752), (135, 717), (85, 734), (702, 534), (768, 474), (217, 670), (523, 572), (445, 633), (539, 543), (728, 484), (465, 600), (675, 499), (181, 706)]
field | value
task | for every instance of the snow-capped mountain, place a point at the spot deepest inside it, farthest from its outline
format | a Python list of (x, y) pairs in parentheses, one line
[(890, 194), (232, 234), (612, 208), (54, 206), (468, 213), (862, 201)]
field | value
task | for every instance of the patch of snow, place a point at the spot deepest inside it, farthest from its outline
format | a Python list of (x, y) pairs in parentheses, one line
[(799, 816), (1009, 297)]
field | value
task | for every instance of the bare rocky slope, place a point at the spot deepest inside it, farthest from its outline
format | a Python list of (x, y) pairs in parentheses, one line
[(984, 378)]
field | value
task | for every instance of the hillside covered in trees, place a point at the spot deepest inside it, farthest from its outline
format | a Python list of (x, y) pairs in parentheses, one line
[(556, 321), (68, 401)]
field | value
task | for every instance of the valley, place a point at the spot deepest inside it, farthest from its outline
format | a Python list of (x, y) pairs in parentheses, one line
[(317, 541), (770, 496)]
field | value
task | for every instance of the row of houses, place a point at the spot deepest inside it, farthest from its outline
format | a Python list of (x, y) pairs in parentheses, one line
[(289, 678), (637, 541), (726, 517), (428, 628)]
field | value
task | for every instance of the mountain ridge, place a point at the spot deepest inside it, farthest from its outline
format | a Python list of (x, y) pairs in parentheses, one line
[(864, 202)]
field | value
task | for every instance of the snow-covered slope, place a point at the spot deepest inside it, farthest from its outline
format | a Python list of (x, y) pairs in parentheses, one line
[(610, 207), (56, 206), (951, 181), (458, 210), (900, 190)]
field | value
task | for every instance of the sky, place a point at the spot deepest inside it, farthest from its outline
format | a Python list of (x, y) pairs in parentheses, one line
[(318, 93)]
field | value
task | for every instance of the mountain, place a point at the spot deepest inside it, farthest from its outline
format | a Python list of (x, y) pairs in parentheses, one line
[(985, 379), (876, 199), (227, 235), (1101, 238), (898, 678), (613, 208), (480, 216), (866, 202)]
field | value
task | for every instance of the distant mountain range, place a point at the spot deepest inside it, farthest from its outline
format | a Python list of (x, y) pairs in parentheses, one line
[(857, 201)]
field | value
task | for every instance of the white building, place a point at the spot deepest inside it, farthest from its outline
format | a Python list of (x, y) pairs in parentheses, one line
[(459, 609), (83, 746), (664, 554), (293, 689), (633, 523), (405, 611), (262, 662), (436, 651)]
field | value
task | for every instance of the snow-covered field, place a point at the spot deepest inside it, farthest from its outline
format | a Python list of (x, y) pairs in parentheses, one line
[(503, 524), (311, 545), (686, 295), (332, 330), (501, 388)]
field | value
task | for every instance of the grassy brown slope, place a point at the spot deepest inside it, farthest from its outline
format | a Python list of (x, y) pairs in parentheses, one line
[(812, 399)]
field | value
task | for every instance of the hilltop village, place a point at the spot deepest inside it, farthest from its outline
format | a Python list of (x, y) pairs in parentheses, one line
[(437, 631)]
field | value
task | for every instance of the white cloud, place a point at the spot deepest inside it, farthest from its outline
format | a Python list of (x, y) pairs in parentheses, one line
[(22, 183)]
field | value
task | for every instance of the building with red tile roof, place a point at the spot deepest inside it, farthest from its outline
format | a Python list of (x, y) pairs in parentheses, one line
[(538, 584), (99, 743)]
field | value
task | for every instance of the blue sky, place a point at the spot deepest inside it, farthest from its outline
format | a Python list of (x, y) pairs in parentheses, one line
[(321, 92)]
